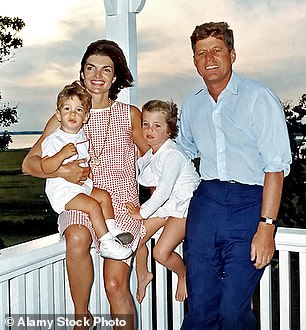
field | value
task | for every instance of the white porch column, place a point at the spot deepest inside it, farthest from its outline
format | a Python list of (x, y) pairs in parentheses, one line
[(121, 28)]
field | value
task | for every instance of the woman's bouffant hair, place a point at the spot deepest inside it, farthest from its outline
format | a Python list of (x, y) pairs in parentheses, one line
[(109, 48), (72, 90), (169, 109), (219, 30)]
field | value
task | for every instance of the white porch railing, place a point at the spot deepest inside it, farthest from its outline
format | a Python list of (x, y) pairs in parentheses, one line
[(33, 281)]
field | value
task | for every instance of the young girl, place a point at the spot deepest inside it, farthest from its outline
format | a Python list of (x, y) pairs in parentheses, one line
[(67, 143), (167, 169)]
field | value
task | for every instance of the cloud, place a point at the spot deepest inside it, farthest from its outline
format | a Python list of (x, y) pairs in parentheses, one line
[(269, 39)]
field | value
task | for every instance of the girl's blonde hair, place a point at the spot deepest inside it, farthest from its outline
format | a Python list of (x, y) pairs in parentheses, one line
[(169, 109)]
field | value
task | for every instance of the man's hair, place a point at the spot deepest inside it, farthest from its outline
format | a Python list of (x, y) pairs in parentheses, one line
[(219, 30), (72, 90), (169, 109)]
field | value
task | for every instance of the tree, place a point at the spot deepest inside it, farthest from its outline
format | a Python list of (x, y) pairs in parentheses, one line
[(9, 27), (292, 210)]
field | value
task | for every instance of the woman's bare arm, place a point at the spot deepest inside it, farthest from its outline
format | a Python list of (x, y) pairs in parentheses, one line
[(32, 161), (137, 131)]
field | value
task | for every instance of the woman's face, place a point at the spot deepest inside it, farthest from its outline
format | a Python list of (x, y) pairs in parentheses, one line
[(154, 129), (98, 74)]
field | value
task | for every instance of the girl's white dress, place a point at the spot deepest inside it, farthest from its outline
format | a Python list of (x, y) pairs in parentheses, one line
[(173, 174)]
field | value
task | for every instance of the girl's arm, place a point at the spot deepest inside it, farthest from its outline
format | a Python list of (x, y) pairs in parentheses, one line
[(171, 171), (137, 131), (72, 172)]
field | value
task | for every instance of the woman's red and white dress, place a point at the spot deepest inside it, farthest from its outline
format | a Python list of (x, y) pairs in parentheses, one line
[(110, 134)]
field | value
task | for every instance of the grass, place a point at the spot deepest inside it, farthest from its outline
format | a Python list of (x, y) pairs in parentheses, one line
[(25, 211)]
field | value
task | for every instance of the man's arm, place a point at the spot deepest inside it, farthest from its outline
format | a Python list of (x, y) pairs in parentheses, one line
[(263, 247)]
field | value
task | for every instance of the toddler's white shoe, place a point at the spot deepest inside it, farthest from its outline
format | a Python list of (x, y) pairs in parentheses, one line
[(112, 249), (124, 237)]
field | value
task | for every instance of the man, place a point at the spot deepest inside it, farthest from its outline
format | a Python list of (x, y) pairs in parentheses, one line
[(238, 129)]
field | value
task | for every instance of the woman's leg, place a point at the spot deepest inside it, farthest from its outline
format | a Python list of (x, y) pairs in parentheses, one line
[(171, 237), (79, 267), (116, 281), (144, 277)]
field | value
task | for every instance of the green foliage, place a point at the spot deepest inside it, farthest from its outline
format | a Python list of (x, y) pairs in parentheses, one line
[(5, 139), (8, 116), (9, 27), (292, 210)]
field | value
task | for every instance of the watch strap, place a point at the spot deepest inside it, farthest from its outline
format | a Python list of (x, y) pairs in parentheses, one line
[(270, 221)]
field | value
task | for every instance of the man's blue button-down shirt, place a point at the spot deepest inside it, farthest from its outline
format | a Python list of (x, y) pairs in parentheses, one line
[(240, 137)]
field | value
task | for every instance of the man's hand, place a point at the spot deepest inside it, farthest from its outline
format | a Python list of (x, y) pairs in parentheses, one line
[(263, 247), (75, 173), (133, 211)]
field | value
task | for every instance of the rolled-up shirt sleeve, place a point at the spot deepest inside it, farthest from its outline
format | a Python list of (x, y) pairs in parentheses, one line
[(271, 132)]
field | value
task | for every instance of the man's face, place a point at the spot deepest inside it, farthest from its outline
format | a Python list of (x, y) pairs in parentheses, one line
[(213, 61)]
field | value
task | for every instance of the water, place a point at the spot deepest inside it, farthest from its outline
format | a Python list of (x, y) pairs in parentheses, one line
[(22, 141)]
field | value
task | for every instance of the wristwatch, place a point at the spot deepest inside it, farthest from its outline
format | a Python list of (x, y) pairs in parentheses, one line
[(269, 221)]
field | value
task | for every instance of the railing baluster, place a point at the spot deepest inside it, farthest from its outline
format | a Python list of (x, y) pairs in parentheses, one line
[(46, 294), (177, 306), (18, 295), (302, 290), (161, 296), (5, 301), (32, 292), (95, 297), (59, 288), (33, 279), (144, 309), (265, 300), (284, 290)]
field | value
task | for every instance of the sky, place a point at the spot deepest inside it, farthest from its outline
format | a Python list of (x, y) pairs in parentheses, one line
[(270, 42)]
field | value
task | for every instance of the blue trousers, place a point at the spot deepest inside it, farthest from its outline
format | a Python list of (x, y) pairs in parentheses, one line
[(221, 279)]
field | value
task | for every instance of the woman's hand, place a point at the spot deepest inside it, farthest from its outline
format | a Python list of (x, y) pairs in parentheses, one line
[(73, 172), (133, 211)]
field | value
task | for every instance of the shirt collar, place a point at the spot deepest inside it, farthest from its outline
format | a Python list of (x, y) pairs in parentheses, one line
[(232, 86)]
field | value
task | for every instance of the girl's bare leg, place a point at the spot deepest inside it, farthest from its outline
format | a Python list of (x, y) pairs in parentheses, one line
[(144, 277), (171, 237), (79, 268), (116, 281)]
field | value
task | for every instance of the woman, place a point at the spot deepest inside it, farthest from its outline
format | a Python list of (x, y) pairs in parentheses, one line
[(113, 129)]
